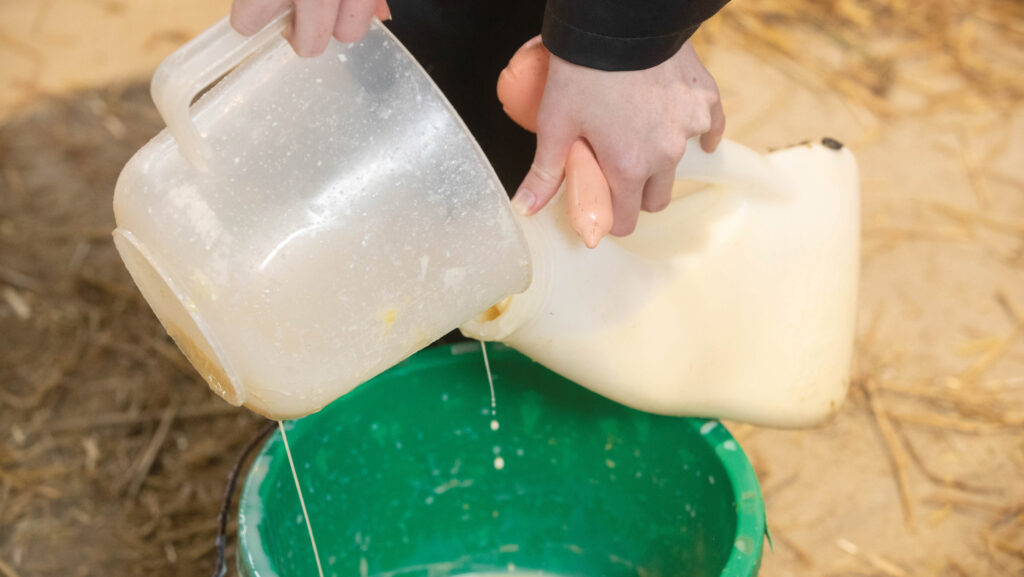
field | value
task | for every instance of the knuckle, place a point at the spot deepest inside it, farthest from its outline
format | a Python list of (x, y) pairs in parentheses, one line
[(701, 121), (673, 147), (629, 165), (544, 175), (631, 172)]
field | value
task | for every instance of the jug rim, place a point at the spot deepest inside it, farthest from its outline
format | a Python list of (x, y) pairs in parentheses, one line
[(232, 391)]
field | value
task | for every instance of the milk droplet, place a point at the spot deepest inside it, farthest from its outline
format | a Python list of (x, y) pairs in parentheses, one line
[(499, 463), (495, 425)]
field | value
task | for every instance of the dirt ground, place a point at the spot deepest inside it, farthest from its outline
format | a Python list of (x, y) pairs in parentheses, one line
[(113, 454)]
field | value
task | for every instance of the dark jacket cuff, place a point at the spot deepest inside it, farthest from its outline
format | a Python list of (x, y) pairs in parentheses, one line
[(611, 53)]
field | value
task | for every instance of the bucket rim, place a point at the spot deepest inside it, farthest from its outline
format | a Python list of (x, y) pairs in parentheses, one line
[(751, 524)]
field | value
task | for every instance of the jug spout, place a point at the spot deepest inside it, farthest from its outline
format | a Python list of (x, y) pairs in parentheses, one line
[(737, 302)]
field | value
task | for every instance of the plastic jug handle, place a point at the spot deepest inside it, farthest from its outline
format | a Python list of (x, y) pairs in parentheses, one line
[(730, 163), (193, 67)]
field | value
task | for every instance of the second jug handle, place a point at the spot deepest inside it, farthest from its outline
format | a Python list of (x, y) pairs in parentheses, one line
[(196, 65), (730, 163)]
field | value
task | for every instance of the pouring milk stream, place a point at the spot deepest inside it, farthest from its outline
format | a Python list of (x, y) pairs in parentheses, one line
[(309, 223)]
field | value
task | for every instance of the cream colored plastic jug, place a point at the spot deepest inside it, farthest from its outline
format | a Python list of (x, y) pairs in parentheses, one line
[(737, 301), (309, 223)]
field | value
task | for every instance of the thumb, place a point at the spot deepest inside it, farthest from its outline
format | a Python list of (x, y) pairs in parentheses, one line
[(546, 172)]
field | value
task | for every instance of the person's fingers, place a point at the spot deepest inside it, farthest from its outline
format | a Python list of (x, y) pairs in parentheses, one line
[(626, 169), (382, 11), (710, 139), (521, 84), (250, 16), (547, 170), (312, 25), (627, 194), (658, 191), (354, 19), (626, 177)]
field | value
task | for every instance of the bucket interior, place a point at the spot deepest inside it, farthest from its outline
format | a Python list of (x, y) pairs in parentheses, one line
[(407, 475)]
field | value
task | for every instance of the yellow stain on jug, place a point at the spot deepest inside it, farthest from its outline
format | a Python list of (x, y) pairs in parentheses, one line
[(387, 319), (495, 311), (211, 371)]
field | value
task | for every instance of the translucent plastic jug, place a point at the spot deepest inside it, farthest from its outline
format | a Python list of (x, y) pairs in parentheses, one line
[(309, 223), (738, 301)]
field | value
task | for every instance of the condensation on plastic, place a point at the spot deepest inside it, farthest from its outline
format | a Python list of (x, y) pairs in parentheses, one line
[(311, 222)]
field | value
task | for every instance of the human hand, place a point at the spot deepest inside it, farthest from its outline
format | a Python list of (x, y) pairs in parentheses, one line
[(313, 22), (588, 196), (637, 124)]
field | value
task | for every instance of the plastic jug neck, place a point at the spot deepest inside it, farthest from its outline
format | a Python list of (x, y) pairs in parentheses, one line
[(515, 311)]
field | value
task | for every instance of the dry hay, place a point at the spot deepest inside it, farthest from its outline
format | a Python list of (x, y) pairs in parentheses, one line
[(943, 60), (893, 57), (114, 454), (965, 404)]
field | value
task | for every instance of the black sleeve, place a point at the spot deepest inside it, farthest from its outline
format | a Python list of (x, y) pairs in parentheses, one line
[(622, 34)]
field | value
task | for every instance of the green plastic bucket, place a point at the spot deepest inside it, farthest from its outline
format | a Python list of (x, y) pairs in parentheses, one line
[(405, 476)]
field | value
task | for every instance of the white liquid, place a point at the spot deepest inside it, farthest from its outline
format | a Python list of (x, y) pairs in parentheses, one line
[(302, 502), (499, 462), (495, 425), (490, 382)]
